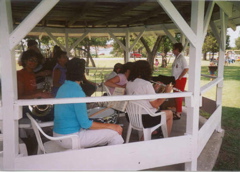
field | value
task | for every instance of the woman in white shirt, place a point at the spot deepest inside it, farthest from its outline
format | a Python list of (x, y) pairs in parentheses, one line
[(139, 83)]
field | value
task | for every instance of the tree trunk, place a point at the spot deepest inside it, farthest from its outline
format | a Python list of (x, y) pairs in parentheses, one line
[(151, 54), (205, 56)]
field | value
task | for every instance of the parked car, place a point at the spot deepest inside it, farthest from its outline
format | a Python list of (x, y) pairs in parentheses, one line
[(135, 54), (101, 54)]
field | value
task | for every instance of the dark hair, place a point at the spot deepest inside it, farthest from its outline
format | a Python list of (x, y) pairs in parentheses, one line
[(126, 66), (31, 42), (141, 69), (26, 55), (56, 48), (117, 66), (60, 53), (178, 46), (75, 69)]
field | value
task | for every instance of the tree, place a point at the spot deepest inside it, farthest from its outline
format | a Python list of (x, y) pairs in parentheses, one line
[(237, 43), (165, 47), (210, 45)]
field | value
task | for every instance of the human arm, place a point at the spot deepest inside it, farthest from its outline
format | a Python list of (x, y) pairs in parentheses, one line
[(115, 127), (183, 73), (56, 78), (113, 82), (43, 73)]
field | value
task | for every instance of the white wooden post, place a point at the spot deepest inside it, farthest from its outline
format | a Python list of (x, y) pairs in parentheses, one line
[(66, 42), (221, 62), (127, 45), (9, 92), (197, 14)]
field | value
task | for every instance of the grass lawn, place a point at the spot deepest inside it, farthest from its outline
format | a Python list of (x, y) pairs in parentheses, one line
[(229, 156)]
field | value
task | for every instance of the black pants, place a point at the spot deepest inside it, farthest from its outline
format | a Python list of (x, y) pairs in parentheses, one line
[(147, 120)]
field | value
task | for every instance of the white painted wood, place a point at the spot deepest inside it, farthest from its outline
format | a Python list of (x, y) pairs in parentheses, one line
[(30, 21), (210, 85), (100, 99), (215, 31), (66, 43), (197, 15), (170, 36), (8, 88), (137, 39), (207, 18), (227, 7), (131, 156), (117, 40), (208, 128), (176, 17), (127, 43), (54, 39), (79, 40)]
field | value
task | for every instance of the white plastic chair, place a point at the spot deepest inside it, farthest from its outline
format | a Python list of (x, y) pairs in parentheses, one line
[(107, 90), (134, 110), (51, 146)]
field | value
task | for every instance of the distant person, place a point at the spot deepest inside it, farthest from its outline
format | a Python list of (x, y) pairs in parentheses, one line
[(179, 71), (59, 71), (116, 69), (156, 64), (72, 118), (121, 79)]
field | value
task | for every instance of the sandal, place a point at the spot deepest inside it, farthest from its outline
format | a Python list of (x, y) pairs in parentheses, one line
[(175, 117)]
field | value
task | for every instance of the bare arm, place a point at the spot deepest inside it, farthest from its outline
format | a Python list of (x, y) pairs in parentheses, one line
[(112, 82), (56, 78), (115, 127), (183, 73)]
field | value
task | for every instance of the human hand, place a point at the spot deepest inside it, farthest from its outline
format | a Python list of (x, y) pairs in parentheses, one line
[(116, 128), (169, 88)]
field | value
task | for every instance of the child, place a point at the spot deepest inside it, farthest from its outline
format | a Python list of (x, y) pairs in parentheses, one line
[(156, 64)]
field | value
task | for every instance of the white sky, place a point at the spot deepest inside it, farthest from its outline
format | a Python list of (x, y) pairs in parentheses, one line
[(233, 35)]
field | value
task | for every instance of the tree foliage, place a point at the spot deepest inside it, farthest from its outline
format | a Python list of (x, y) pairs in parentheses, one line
[(237, 43), (210, 45)]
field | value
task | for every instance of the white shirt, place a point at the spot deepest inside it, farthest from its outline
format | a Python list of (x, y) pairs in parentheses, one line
[(178, 66), (140, 86)]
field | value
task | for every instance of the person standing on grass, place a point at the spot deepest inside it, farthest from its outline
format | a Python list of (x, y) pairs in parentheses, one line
[(179, 71), (156, 64)]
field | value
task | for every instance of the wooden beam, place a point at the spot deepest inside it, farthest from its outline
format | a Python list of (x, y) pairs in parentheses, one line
[(170, 36), (207, 18), (79, 40), (227, 7), (117, 13), (80, 14), (176, 17), (54, 39), (30, 21), (137, 39), (117, 40)]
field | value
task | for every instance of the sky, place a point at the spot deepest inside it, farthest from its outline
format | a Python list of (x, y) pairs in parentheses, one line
[(233, 35)]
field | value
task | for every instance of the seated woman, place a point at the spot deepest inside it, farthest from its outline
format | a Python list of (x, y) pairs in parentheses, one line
[(116, 69), (121, 79), (73, 118), (26, 81), (139, 83), (59, 71)]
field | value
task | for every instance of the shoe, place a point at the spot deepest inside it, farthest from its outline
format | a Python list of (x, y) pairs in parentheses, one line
[(175, 117)]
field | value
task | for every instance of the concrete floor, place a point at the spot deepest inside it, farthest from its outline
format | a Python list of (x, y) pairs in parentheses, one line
[(206, 160)]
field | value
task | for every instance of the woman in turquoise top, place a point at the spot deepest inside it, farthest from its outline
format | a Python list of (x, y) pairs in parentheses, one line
[(73, 118)]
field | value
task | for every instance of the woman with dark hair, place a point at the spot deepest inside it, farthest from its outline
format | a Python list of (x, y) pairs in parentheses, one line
[(139, 83), (72, 118), (59, 71), (27, 86), (121, 79)]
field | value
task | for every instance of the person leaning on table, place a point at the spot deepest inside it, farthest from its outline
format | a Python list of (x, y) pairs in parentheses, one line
[(73, 118)]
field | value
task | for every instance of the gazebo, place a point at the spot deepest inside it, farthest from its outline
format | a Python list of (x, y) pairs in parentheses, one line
[(113, 18)]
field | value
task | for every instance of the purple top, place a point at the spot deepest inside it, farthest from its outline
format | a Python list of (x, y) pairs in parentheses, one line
[(123, 81), (62, 79)]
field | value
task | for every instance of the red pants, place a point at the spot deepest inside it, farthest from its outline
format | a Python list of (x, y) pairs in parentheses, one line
[(180, 84)]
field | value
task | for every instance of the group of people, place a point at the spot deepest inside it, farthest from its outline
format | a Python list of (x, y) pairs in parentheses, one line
[(68, 78)]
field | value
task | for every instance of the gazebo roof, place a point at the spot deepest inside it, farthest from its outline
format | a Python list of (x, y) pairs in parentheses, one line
[(92, 14)]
